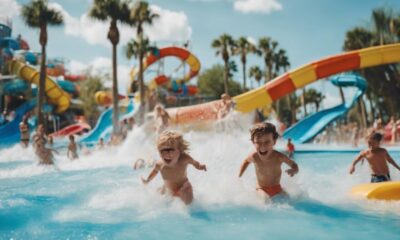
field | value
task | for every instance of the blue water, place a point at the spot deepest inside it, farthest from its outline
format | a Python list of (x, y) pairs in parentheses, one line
[(100, 196)]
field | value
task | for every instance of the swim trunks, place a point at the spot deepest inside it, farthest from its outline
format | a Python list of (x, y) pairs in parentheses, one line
[(272, 191), (379, 178)]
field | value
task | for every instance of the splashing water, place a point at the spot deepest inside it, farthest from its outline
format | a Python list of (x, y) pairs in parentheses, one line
[(100, 196)]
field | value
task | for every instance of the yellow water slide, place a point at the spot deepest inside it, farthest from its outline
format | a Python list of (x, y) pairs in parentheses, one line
[(54, 92), (293, 80)]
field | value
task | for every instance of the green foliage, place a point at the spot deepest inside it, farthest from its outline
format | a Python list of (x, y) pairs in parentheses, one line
[(88, 89), (211, 82), (37, 13)]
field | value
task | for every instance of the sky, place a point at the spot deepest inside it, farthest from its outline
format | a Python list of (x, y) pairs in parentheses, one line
[(307, 29)]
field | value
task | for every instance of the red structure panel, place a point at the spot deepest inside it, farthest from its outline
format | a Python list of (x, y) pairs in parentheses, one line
[(337, 64), (280, 87)]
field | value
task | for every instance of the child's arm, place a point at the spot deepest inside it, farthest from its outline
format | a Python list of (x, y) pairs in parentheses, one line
[(356, 160), (245, 164), (294, 168), (196, 164), (152, 174), (391, 161)]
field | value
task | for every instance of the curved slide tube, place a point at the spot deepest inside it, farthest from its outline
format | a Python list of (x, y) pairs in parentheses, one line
[(9, 132), (103, 127), (379, 191), (56, 95), (76, 128), (180, 53), (300, 77), (310, 126)]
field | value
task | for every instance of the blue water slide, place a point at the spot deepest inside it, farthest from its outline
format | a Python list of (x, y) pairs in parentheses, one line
[(9, 132), (310, 126), (103, 128)]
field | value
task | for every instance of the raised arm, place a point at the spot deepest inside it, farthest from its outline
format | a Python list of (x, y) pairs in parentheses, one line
[(355, 161), (391, 161), (245, 164), (294, 168), (196, 164), (152, 174)]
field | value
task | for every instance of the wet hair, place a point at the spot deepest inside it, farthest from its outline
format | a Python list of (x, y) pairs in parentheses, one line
[(262, 129), (174, 139), (71, 137), (375, 136)]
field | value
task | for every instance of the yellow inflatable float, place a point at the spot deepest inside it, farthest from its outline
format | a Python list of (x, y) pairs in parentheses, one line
[(378, 191)]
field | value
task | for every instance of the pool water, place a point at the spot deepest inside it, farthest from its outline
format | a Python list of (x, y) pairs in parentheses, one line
[(100, 196)]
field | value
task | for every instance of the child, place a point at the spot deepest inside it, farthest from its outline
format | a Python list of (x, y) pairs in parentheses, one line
[(72, 152), (172, 166), (162, 119), (267, 161), (225, 106), (45, 155), (100, 145), (24, 132), (377, 158), (290, 148)]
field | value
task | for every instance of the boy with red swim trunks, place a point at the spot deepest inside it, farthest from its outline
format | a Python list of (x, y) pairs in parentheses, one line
[(267, 161)]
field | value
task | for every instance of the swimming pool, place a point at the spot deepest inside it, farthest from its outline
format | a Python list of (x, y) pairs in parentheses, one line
[(101, 197)]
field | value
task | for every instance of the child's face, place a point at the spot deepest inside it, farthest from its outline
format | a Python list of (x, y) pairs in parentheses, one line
[(373, 144), (169, 153), (264, 143)]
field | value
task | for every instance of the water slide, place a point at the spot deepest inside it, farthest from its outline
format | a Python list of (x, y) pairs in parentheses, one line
[(55, 94), (103, 128), (180, 53), (9, 132), (293, 80), (310, 126), (77, 128)]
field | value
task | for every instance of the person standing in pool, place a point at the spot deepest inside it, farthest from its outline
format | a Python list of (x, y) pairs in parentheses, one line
[(24, 132), (267, 161), (172, 166), (72, 152), (377, 158)]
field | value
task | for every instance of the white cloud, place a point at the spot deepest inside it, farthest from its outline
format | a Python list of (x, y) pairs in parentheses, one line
[(101, 66), (252, 40), (8, 8), (257, 6), (170, 26)]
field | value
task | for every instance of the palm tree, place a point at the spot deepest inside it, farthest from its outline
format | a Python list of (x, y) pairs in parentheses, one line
[(140, 15), (243, 48), (224, 46), (381, 21), (256, 73), (267, 47), (113, 11), (37, 14), (135, 48)]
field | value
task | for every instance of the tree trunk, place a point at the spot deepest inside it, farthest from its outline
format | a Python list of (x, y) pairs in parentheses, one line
[(141, 87), (226, 75), (303, 101), (244, 76), (116, 129), (362, 113), (42, 76)]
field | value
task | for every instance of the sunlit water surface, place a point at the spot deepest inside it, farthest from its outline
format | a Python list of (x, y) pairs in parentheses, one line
[(100, 196)]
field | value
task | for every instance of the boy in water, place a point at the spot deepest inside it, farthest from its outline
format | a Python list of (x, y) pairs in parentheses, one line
[(162, 118), (267, 161), (290, 148), (24, 132), (377, 158), (172, 166), (72, 152)]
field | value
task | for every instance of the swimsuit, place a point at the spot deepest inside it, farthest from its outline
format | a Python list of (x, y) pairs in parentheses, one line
[(380, 178), (272, 190)]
